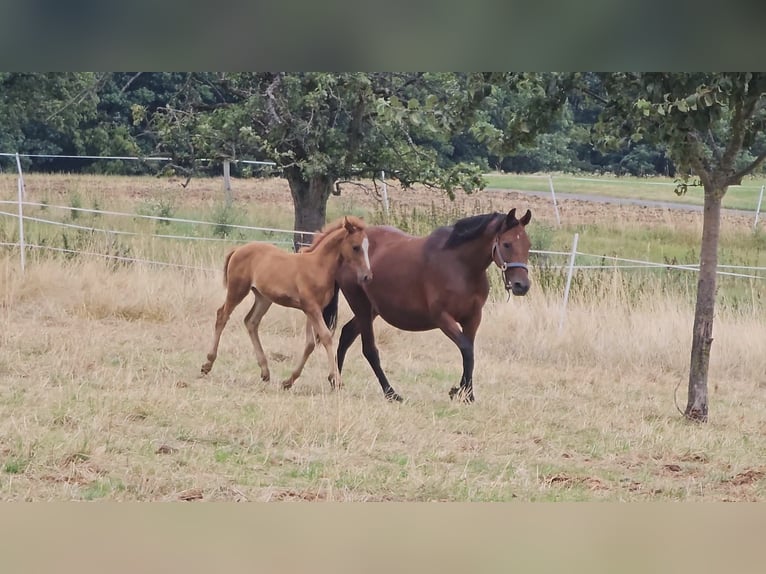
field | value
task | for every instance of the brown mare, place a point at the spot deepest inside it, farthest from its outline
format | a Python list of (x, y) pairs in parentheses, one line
[(304, 280), (439, 281)]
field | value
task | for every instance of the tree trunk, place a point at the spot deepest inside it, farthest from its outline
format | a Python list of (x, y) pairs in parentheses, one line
[(309, 204), (702, 335)]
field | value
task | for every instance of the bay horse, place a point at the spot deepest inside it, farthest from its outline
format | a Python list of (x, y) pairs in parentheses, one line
[(304, 280), (434, 282)]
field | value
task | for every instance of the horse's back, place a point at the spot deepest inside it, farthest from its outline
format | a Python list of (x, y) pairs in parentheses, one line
[(414, 278)]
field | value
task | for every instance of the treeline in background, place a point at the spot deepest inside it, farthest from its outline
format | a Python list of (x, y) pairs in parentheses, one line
[(115, 114)]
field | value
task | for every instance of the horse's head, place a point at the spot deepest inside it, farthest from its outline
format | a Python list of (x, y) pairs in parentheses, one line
[(355, 249), (510, 252)]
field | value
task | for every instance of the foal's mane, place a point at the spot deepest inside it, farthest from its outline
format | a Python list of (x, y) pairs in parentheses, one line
[(331, 227), (470, 228)]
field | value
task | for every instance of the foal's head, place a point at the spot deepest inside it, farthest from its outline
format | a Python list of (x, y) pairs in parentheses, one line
[(354, 248), (510, 252)]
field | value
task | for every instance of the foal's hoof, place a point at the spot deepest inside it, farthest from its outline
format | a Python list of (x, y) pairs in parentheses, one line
[(287, 384), (335, 384), (393, 396), (206, 368), (265, 377)]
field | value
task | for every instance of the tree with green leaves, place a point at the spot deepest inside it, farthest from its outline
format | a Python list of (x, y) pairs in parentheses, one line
[(42, 111), (713, 126), (324, 129)]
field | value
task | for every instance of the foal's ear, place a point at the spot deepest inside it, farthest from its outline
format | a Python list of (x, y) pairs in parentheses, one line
[(350, 227), (526, 218)]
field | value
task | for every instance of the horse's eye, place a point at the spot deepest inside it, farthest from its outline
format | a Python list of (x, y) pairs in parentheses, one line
[(356, 248), (507, 245)]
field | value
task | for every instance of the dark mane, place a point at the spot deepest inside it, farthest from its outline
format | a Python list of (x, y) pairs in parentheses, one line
[(470, 228)]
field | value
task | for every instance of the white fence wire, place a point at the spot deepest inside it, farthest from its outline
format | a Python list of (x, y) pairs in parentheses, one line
[(617, 263)]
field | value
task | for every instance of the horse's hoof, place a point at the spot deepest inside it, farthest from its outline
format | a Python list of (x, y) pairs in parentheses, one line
[(394, 397), (265, 377), (462, 395), (286, 384), (335, 384), (206, 368)]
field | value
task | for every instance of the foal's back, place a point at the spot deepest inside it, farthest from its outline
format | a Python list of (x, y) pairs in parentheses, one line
[(270, 270)]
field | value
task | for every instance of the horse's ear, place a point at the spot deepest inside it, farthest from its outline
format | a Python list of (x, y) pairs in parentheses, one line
[(350, 227), (526, 218), (510, 219)]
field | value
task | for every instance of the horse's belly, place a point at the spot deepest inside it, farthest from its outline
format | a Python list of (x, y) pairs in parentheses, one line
[(405, 319), (410, 323)]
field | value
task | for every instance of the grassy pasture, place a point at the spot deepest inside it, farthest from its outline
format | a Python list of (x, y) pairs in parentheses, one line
[(100, 397), (743, 196)]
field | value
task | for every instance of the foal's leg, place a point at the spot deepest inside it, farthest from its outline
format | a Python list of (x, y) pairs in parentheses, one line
[(325, 337), (234, 295), (252, 322), (307, 350), (464, 342)]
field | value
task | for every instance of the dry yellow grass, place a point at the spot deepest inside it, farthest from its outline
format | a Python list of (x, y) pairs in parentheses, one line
[(100, 399)]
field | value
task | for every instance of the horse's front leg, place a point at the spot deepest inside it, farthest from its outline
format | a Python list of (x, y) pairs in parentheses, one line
[(464, 341), (307, 350)]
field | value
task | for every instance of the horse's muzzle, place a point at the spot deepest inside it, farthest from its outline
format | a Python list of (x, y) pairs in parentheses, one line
[(518, 288), (364, 277)]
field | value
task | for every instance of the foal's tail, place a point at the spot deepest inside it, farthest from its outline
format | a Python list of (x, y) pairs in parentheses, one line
[(226, 267), (330, 312)]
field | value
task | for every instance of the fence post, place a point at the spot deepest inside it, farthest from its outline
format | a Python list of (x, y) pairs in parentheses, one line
[(385, 192), (227, 180), (553, 195), (22, 242), (758, 209), (569, 280)]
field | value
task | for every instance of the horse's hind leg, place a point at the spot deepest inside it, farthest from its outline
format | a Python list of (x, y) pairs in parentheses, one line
[(348, 335), (252, 322), (307, 350), (234, 295)]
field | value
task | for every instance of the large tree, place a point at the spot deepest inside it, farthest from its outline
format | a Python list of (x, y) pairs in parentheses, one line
[(710, 123), (322, 129)]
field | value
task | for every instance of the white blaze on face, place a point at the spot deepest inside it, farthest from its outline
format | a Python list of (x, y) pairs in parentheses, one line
[(365, 250)]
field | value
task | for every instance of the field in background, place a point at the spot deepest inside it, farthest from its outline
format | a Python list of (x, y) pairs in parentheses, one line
[(100, 396), (743, 196)]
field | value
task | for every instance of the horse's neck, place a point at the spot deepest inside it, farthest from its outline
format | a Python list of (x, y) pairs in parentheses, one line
[(476, 255)]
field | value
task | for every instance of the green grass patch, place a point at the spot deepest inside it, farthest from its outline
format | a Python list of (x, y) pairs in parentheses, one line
[(744, 196)]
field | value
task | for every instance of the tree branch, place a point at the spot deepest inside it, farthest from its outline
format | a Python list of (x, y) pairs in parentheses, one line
[(130, 81), (742, 111), (79, 97), (270, 101), (736, 178)]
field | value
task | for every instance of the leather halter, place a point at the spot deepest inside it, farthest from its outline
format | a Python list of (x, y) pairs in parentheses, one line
[(503, 264)]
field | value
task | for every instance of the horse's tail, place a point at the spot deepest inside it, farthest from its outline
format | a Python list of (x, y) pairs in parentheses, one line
[(226, 267), (330, 312)]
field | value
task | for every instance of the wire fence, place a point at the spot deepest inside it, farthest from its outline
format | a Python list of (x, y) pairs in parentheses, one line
[(616, 262), (572, 261)]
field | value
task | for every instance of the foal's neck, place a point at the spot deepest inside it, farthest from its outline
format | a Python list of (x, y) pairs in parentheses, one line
[(328, 250)]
